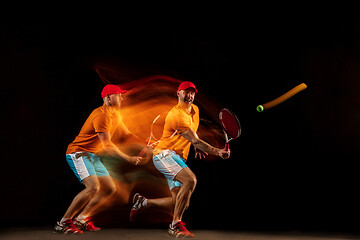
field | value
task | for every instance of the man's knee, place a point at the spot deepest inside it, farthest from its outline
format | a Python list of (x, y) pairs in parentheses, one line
[(110, 191), (93, 189), (191, 182), (187, 178), (92, 185), (108, 187)]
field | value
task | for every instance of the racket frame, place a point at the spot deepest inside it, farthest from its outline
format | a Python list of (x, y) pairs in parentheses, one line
[(148, 140), (227, 138)]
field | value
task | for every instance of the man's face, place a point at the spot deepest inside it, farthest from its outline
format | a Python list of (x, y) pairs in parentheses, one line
[(115, 100), (186, 96)]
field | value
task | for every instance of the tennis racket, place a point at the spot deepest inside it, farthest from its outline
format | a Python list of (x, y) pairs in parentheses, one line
[(230, 125), (150, 138), (155, 129)]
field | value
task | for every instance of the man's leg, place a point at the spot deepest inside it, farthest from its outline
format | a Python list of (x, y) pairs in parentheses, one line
[(182, 198), (84, 220), (91, 188), (107, 189), (164, 204), (66, 225)]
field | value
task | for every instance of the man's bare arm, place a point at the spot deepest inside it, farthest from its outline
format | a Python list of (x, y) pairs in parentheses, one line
[(191, 136), (112, 149)]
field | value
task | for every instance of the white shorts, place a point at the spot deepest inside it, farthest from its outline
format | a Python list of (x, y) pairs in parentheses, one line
[(85, 164), (170, 164)]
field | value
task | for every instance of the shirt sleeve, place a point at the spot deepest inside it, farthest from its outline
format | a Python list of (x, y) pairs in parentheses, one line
[(102, 123)]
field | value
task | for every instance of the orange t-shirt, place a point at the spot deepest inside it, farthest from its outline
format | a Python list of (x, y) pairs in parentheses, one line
[(102, 119), (179, 120)]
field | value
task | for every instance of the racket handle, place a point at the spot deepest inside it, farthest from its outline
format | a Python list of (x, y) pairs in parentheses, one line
[(142, 152), (226, 147)]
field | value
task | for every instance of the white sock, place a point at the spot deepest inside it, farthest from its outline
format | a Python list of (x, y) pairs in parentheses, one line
[(174, 222), (144, 203), (63, 220), (81, 217)]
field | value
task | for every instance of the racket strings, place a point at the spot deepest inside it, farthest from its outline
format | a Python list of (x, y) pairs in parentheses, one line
[(230, 124), (156, 128)]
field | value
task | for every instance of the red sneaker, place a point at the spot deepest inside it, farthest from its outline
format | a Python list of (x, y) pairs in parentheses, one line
[(67, 227), (137, 207), (86, 225), (179, 230)]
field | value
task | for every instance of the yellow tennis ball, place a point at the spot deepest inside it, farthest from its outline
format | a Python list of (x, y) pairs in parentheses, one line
[(259, 108)]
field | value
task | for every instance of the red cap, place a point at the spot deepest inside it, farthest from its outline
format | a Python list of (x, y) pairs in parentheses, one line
[(186, 85), (111, 89)]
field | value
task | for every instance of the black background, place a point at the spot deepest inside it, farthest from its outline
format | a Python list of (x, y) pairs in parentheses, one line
[(294, 167)]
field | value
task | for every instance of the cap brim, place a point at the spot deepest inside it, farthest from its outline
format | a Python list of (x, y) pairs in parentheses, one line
[(193, 88), (122, 91)]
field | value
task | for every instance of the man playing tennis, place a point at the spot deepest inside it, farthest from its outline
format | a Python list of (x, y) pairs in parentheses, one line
[(170, 156), (83, 156)]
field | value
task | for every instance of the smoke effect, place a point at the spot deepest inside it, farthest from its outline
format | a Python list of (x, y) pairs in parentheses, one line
[(146, 99)]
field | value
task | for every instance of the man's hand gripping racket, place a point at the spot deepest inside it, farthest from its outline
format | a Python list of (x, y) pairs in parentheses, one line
[(231, 127)]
